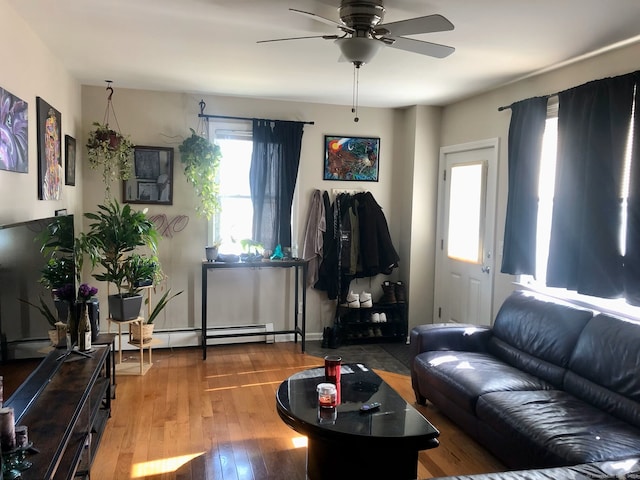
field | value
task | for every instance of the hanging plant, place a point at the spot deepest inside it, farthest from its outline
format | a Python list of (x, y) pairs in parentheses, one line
[(111, 151), (201, 160)]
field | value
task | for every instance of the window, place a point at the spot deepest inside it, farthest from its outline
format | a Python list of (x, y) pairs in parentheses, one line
[(545, 209), (234, 222)]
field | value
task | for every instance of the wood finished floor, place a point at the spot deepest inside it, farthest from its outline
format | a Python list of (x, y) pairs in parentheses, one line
[(190, 419)]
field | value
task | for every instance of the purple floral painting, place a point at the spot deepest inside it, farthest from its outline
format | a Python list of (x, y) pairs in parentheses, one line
[(14, 151)]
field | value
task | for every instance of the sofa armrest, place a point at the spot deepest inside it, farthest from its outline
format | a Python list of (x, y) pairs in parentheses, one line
[(449, 336)]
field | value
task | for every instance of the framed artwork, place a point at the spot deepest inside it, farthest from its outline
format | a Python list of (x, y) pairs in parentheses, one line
[(153, 176), (14, 133), (351, 158), (70, 160), (49, 151)]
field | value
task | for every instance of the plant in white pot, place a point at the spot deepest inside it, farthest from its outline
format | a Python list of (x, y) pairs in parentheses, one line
[(115, 232)]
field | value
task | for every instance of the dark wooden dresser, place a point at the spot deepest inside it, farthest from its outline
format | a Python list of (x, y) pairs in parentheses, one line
[(65, 404)]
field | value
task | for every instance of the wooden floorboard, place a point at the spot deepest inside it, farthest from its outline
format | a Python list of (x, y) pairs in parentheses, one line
[(189, 419)]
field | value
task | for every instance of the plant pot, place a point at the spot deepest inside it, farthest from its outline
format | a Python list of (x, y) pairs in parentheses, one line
[(212, 253), (142, 331), (124, 307)]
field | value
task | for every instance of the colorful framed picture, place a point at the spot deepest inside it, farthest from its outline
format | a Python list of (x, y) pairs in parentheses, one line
[(70, 160), (153, 176), (49, 151), (14, 133), (351, 158)]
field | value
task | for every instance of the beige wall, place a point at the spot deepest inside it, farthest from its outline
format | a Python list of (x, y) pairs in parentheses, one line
[(29, 71), (410, 142), (478, 118), (240, 297)]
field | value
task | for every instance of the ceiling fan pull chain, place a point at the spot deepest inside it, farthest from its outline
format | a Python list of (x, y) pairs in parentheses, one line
[(356, 87)]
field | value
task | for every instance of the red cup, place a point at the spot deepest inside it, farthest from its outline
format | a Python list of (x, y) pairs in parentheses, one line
[(332, 369)]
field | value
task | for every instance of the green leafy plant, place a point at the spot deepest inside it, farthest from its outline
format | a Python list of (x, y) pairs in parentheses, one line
[(111, 151), (141, 271), (201, 160), (114, 233), (161, 304)]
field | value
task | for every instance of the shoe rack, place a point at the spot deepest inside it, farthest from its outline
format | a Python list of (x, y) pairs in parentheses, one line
[(380, 323)]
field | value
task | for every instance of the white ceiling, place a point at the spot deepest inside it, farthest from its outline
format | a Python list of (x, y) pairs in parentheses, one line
[(209, 46)]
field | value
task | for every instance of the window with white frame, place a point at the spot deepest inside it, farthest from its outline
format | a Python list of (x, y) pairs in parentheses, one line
[(234, 222)]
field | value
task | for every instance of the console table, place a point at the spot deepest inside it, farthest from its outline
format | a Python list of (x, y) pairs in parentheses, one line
[(300, 267), (65, 404)]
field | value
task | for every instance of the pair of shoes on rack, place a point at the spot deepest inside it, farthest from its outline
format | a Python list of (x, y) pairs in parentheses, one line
[(393, 292), (355, 300), (379, 317)]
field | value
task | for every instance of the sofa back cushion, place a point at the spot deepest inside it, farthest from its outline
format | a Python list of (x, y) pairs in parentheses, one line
[(605, 367), (537, 335)]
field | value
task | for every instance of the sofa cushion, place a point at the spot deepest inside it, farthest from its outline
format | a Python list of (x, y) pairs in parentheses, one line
[(537, 335), (604, 368), (463, 376), (557, 428)]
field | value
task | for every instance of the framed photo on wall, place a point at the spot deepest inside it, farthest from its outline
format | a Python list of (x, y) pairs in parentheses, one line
[(152, 182), (14, 133), (351, 158), (49, 151), (70, 160)]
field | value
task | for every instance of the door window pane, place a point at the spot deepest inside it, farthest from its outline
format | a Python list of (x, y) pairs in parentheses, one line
[(466, 208)]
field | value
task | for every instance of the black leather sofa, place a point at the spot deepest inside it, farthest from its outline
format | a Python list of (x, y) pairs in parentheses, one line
[(548, 385)]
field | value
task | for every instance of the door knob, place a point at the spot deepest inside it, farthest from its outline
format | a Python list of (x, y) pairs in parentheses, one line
[(486, 269)]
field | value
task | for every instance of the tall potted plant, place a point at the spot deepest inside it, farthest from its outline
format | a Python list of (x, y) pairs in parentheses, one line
[(201, 160), (111, 151), (114, 233)]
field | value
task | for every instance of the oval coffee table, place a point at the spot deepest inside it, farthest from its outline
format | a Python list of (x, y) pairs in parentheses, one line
[(347, 443)]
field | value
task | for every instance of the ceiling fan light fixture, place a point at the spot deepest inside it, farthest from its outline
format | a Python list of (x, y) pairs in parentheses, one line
[(359, 50)]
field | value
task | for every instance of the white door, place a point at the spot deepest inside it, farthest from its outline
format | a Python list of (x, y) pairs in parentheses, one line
[(466, 224)]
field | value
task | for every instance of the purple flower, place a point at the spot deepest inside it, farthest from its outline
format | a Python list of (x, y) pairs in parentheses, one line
[(85, 292), (65, 292)]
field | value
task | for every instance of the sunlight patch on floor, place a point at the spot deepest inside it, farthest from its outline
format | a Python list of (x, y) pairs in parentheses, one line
[(163, 465), (299, 442)]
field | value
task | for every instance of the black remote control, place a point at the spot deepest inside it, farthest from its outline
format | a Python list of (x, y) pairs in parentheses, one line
[(367, 407)]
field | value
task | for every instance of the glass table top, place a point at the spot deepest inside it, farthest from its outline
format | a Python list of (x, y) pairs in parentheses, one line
[(297, 403)]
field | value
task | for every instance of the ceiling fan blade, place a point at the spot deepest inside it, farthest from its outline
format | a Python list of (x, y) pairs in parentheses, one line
[(324, 20), (414, 26), (423, 48), (325, 37)]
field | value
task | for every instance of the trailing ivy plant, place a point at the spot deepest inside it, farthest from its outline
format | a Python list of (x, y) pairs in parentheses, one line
[(111, 151), (201, 160)]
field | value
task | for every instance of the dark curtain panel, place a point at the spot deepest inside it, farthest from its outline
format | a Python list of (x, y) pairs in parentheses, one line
[(526, 130), (632, 257), (593, 125), (273, 174)]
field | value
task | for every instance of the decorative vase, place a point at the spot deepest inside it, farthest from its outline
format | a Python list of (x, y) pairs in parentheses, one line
[(72, 324)]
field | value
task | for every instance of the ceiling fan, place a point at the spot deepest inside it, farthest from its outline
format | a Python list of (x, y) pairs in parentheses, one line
[(363, 34)]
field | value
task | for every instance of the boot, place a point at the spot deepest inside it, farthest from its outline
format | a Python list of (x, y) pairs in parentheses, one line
[(401, 292), (388, 293), (325, 337)]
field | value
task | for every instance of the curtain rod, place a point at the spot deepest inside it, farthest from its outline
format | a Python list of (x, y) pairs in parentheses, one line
[(541, 96), (204, 115)]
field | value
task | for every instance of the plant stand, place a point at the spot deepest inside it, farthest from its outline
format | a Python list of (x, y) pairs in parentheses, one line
[(124, 368)]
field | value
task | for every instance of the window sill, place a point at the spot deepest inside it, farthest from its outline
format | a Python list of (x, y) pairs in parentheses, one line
[(610, 306)]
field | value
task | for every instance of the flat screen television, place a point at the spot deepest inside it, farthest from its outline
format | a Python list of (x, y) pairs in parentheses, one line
[(23, 329)]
